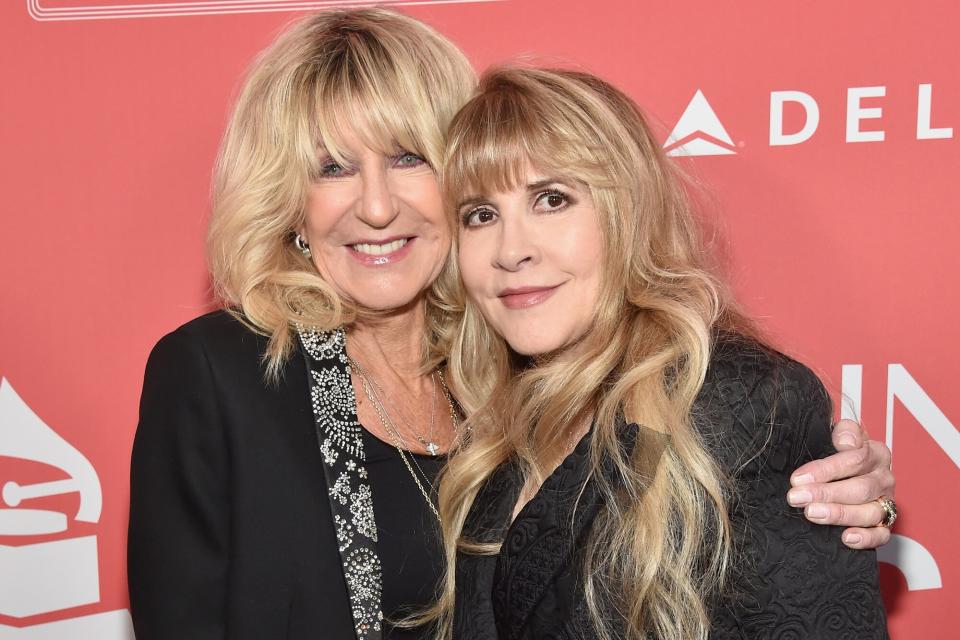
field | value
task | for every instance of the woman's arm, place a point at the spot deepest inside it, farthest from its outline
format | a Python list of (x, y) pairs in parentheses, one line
[(791, 576), (178, 543)]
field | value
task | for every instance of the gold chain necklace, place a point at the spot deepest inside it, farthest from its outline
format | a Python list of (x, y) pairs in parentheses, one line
[(427, 443), (388, 425)]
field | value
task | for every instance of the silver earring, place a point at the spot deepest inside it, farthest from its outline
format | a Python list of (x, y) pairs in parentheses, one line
[(302, 246)]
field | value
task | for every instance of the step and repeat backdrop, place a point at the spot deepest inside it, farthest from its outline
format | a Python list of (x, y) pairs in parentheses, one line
[(827, 135)]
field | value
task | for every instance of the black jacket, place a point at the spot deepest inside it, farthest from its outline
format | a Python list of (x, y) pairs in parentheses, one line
[(761, 415), (230, 525)]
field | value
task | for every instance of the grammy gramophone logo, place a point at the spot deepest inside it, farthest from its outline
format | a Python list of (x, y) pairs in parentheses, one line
[(60, 571)]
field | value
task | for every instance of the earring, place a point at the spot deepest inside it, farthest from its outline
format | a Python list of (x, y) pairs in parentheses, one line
[(302, 246)]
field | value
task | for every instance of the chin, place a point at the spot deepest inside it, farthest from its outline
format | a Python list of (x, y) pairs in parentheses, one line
[(385, 292), (534, 345), (387, 301)]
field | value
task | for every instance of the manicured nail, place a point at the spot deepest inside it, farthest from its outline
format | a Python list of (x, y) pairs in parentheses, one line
[(847, 440), (799, 497), (817, 511), (804, 478), (852, 538)]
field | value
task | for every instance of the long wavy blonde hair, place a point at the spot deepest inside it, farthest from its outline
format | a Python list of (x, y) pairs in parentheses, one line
[(373, 72), (657, 558)]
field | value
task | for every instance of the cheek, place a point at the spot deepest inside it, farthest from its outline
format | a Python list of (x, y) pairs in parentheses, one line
[(473, 268), (325, 207), (422, 193)]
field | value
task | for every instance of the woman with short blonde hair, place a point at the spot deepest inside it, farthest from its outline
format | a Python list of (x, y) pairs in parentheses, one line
[(282, 469)]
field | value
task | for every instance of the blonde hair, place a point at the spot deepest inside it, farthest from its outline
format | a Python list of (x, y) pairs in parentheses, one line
[(374, 72), (658, 559)]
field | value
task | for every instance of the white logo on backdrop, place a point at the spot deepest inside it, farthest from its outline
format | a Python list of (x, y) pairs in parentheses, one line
[(53, 575), (917, 564), (45, 11), (699, 132)]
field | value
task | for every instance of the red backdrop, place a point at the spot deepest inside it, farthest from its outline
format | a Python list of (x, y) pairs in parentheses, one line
[(841, 242)]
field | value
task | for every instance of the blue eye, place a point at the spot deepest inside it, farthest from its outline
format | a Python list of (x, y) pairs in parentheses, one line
[(331, 169), (409, 159)]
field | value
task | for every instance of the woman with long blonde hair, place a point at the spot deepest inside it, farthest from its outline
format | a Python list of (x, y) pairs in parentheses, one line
[(630, 436)]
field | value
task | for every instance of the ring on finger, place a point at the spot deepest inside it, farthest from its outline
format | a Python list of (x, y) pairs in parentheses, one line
[(889, 512)]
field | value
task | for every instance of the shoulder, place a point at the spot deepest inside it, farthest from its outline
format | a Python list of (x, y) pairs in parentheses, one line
[(744, 365), (217, 336), (745, 373), (755, 399), (213, 331), (214, 349)]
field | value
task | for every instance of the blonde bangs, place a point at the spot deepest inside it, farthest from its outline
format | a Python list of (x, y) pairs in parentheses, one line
[(376, 108), (510, 127)]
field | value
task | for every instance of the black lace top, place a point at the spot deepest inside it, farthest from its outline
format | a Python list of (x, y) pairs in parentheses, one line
[(761, 415)]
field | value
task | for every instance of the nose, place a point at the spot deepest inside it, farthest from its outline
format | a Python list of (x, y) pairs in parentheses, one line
[(517, 247), (378, 204)]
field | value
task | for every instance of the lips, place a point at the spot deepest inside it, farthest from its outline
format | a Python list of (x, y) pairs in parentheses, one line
[(381, 253), (525, 297)]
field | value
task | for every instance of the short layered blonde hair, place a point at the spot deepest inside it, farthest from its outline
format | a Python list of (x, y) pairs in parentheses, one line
[(392, 80)]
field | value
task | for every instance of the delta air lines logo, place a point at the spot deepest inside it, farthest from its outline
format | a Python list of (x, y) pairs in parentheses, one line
[(699, 132)]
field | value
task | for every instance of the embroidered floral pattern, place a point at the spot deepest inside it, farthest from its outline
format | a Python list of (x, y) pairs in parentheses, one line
[(341, 447)]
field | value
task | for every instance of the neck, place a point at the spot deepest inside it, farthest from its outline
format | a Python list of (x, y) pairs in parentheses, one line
[(390, 344)]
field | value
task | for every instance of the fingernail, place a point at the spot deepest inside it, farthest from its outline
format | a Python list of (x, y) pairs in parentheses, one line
[(817, 512), (852, 538), (848, 440), (799, 497), (804, 478)]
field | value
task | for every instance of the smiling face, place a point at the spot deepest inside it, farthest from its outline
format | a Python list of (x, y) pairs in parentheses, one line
[(376, 226), (531, 259)]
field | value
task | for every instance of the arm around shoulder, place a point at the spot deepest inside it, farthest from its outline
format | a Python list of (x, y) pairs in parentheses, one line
[(789, 574), (178, 544)]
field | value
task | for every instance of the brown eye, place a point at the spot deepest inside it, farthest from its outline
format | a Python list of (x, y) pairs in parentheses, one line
[(479, 217), (550, 201)]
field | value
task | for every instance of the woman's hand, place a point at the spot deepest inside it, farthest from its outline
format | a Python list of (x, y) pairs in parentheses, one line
[(843, 488)]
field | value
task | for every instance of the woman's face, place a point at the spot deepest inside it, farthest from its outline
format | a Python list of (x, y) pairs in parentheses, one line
[(531, 260), (376, 226)]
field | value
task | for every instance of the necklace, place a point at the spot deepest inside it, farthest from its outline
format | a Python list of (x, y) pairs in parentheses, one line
[(404, 455), (427, 443)]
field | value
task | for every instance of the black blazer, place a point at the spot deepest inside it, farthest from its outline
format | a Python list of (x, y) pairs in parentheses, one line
[(230, 526), (761, 415)]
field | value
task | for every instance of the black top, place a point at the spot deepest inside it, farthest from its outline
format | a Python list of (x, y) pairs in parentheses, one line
[(761, 416), (231, 534), (408, 533)]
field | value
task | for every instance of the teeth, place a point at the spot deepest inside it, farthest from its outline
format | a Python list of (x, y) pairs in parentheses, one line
[(379, 249)]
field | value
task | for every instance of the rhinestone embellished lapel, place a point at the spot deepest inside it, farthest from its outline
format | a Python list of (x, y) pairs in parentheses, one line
[(340, 439)]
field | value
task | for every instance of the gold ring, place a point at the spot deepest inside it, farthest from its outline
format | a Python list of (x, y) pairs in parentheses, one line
[(889, 512)]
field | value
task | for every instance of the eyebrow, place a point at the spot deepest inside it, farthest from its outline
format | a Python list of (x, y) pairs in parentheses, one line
[(530, 187)]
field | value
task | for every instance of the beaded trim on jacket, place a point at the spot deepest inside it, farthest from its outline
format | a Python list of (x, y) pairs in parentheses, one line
[(339, 435)]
